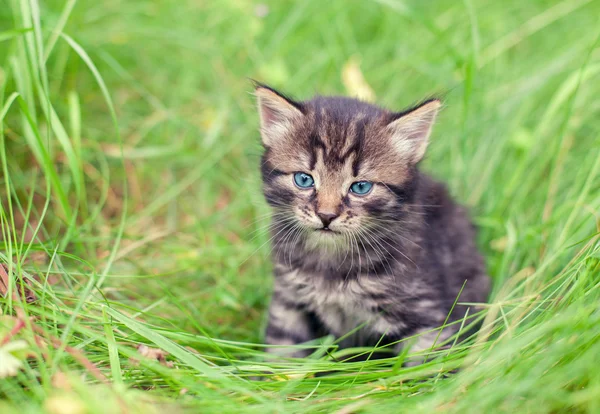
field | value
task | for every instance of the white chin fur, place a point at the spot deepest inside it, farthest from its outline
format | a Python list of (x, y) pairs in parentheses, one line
[(328, 241)]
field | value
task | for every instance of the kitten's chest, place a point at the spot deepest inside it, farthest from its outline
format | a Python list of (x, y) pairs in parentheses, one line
[(341, 306)]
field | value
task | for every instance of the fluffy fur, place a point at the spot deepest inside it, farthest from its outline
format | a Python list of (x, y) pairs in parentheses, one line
[(390, 263)]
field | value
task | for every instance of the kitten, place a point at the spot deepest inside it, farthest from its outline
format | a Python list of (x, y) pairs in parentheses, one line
[(363, 242)]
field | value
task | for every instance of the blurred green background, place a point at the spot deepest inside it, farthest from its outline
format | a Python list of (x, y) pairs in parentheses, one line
[(130, 181)]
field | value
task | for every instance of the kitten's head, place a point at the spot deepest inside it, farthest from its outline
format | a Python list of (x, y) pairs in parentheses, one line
[(336, 168)]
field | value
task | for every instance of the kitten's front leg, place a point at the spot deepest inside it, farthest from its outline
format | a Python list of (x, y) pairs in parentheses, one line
[(425, 341), (289, 324)]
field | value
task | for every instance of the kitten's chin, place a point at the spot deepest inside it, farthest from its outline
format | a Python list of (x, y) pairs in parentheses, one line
[(329, 240)]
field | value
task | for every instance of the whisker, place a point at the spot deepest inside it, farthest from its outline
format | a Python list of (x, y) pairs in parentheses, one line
[(382, 239), (384, 251), (386, 229), (295, 241), (261, 246), (255, 233), (366, 253), (378, 251)]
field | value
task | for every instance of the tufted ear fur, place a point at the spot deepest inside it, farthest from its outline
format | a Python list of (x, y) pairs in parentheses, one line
[(410, 130), (277, 114)]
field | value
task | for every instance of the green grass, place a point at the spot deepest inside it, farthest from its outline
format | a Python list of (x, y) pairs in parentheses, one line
[(131, 196)]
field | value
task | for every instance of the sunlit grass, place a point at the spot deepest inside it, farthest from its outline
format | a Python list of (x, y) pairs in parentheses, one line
[(131, 198)]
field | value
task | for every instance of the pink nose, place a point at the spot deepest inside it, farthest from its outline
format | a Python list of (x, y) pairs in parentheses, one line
[(327, 218)]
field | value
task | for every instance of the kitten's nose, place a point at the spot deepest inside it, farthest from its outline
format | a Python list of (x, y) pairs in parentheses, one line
[(327, 218)]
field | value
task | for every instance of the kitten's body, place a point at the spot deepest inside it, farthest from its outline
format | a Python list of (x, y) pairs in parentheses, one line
[(394, 260)]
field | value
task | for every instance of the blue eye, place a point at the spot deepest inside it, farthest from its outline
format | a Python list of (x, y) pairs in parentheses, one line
[(304, 180), (361, 187)]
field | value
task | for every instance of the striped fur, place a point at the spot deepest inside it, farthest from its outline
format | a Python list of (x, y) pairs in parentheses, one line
[(394, 260)]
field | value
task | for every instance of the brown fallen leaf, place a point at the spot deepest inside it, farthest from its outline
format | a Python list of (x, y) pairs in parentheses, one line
[(9, 327), (77, 354), (14, 351), (156, 354), (21, 291)]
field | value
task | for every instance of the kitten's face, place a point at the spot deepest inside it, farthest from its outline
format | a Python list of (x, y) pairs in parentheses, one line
[(336, 169)]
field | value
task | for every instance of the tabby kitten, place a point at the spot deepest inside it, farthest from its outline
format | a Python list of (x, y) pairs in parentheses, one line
[(363, 242)]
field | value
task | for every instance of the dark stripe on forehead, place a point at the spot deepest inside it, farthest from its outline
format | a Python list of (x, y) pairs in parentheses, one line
[(359, 141), (315, 140), (351, 145), (338, 137), (353, 149), (341, 139), (316, 144)]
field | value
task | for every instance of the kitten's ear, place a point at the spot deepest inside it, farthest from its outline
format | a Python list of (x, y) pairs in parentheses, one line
[(277, 113), (410, 130)]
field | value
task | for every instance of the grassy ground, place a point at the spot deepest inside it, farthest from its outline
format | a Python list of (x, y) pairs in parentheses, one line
[(131, 197)]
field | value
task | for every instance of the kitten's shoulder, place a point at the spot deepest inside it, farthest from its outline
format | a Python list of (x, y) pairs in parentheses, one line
[(442, 210), (434, 195)]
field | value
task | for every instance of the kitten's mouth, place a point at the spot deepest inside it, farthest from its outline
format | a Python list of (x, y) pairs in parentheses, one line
[(326, 230)]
